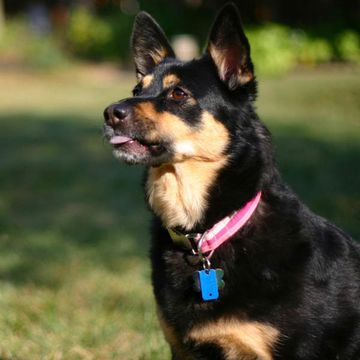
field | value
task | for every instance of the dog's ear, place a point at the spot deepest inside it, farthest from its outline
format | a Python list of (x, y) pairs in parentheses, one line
[(149, 44), (229, 48)]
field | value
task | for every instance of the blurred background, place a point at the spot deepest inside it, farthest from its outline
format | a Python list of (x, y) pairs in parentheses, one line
[(74, 273)]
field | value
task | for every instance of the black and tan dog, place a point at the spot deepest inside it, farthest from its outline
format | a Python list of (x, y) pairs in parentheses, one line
[(292, 279)]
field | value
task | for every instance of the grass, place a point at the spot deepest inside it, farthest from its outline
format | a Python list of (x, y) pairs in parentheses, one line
[(74, 273)]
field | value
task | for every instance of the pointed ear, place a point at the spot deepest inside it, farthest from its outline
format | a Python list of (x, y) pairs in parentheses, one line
[(149, 44), (229, 48)]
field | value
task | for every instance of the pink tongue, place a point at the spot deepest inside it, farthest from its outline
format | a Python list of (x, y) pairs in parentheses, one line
[(116, 140)]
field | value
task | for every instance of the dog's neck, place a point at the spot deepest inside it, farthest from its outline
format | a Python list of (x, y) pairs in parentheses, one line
[(179, 193), (183, 195)]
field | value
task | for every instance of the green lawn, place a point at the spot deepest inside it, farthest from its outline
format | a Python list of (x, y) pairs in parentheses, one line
[(74, 273)]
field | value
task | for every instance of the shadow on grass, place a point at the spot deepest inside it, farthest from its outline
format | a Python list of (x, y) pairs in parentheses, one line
[(64, 198)]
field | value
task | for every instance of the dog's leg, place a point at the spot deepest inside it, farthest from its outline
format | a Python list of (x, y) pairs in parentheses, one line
[(177, 351)]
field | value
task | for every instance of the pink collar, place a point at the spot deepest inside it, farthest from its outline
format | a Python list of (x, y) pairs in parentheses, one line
[(221, 231)]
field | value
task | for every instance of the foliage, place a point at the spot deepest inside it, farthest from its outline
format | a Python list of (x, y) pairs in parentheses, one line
[(22, 45), (348, 45), (276, 48), (95, 38), (312, 51), (88, 36), (271, 47)]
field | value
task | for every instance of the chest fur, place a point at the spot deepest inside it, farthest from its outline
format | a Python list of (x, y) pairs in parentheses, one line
[(179, 193)]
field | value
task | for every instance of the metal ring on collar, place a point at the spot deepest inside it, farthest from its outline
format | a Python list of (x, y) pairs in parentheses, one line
[(200, 253)]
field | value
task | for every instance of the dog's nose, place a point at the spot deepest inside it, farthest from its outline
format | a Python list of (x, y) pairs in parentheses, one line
[(121, 112), (116, 113)]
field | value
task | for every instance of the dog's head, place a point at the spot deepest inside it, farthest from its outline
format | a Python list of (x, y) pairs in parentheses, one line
[(185, 110)]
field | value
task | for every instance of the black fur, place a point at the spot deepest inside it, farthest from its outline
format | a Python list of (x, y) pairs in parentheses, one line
[(147, 35), (287, 267)]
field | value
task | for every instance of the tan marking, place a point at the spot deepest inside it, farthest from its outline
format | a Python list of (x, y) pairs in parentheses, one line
[(146, 110), (147, 80), (170, 80), (219, 60), (208, 141), (178, 192), (171, 337), (219, 56), (158, 55), (238, 339)]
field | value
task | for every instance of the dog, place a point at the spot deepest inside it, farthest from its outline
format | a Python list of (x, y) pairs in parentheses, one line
[(241, 269)]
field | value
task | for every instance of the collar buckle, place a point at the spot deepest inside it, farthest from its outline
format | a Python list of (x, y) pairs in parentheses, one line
[(187, 241), (193, 238)]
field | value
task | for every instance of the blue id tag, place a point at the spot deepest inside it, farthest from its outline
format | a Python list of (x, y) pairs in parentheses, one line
[(209, 282), (208, 285)]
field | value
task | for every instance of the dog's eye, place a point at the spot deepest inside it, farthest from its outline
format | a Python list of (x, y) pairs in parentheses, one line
[(178, 94)]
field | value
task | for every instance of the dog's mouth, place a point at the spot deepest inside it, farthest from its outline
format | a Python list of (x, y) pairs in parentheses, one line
[(125, 142), (137, 151)]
